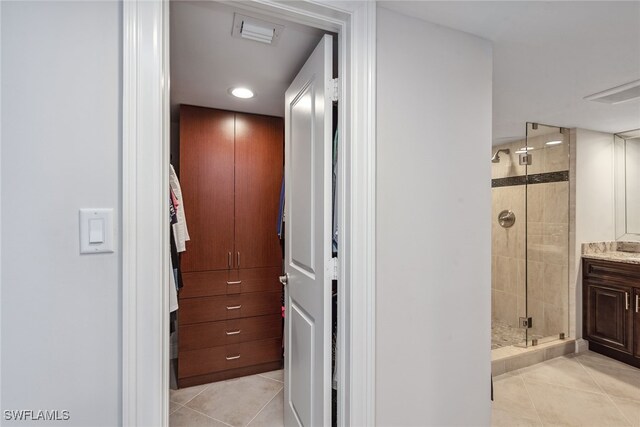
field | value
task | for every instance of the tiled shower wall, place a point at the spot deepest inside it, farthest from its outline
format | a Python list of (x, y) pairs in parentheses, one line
[(541, 213)]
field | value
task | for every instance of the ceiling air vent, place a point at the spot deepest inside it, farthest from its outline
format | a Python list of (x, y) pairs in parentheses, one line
[(247, 27), (618, 94)]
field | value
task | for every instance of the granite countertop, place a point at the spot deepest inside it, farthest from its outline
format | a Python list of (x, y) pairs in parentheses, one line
[(626, 252)]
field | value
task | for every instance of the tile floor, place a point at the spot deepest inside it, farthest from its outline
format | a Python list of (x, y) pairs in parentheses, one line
[(575, 390), (254, 401)]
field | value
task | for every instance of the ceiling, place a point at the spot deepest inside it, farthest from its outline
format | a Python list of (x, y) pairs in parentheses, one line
[(206, 61), (548, 56)]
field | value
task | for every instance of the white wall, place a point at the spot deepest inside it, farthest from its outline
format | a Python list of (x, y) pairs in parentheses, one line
[(595, 221), (61, 88), (433, 225)]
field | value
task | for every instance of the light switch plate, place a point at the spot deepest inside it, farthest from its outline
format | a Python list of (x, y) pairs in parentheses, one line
[(95, 218)]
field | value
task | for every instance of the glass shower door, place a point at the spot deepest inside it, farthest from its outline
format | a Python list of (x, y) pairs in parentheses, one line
[(546, 155)]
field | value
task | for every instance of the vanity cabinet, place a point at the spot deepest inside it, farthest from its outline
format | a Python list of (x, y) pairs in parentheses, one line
[(636, 327), (611, 304)]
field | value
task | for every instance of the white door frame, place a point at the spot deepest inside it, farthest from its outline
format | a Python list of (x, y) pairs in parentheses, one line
[(145, 238)]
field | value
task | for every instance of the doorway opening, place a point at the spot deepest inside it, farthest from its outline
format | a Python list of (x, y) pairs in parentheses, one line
[(232, 243), (146, 237)]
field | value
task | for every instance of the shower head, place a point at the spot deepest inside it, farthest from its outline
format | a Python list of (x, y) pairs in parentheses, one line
[(496, 156)]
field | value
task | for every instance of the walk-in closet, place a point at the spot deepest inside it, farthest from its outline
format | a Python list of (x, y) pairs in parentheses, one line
[(229, 213)]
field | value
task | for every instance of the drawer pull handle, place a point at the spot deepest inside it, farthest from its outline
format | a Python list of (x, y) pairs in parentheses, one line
[(233, 357), (233, 332), (626, 300), (234, 307), (237, 282), (637, 303)]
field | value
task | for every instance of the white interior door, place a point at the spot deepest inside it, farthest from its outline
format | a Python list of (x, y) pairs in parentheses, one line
[(308, 126)]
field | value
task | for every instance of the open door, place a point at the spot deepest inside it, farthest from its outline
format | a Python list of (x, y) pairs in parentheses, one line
[(308, 126)]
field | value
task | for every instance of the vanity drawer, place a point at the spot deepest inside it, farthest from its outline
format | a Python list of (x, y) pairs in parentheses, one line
[(226, 282), (610, 270), (224, 332), (205, 361), (209, 309)]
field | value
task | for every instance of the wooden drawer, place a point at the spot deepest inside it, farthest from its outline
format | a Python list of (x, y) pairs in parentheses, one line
[(204, 361), (227, 282), (224, 332), (209, 309), (609, 270)]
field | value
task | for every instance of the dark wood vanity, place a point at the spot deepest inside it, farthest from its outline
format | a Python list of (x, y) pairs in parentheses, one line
[(611, 308)]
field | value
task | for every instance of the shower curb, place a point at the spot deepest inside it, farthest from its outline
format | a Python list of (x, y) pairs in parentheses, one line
[(502, 364)]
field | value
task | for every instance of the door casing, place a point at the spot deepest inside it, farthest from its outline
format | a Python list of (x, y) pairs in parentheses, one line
[(145, 236)]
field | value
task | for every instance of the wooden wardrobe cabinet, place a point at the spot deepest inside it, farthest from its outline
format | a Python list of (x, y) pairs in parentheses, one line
[(229, 317)]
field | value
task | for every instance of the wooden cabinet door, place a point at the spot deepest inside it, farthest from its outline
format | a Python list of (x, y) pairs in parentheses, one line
[(259, 162), (609, 315), (206, 178), (636, 321)]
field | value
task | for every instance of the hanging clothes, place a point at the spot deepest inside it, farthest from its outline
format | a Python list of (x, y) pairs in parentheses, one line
[(334, 215), (180, 230), (173, 288), (280, 226), (179, 236), (173, 291)]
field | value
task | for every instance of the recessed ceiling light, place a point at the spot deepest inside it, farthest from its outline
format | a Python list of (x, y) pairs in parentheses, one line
[(554, 142), (241, 92)]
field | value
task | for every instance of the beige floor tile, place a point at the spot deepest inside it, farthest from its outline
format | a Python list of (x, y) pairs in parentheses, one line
[(502, 418), (507, 375), (236, 402), (557, 405), (616, 381), (173, 407), (184, 395), (510, 394), (630, 409), (185, 417), (589, 358), (271, 415), (561, 371), (275, 375)]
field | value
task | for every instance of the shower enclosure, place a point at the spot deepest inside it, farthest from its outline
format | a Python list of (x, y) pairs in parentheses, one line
[(530, 238)]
